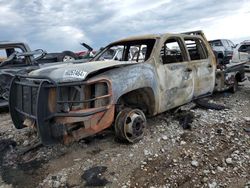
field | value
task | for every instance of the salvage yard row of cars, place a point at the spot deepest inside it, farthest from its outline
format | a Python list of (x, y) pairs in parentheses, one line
[(119, 86), (17, 58)]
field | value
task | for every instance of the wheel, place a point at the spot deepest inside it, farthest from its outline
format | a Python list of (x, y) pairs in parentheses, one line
[(234, 88), (130, 125), (67, 56), (220, 63)]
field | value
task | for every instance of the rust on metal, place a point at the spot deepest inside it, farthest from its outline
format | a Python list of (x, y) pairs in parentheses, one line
[(93, 125)]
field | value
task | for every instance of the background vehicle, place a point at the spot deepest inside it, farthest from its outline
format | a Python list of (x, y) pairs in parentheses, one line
[(223, 50), (228, 73), (59, 57), (90, 53), (228, 77), (17, 58), (241, 53)]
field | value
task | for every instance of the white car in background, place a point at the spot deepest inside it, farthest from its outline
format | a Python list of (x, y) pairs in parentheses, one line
[(241, 54)]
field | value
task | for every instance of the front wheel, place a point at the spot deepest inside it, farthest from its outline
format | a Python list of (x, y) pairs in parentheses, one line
[(130, 125)]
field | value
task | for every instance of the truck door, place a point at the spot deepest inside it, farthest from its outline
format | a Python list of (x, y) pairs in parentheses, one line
[(176, 75), (203, 62)]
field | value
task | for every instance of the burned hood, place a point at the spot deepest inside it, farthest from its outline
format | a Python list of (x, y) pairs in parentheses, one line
[(75, 71)]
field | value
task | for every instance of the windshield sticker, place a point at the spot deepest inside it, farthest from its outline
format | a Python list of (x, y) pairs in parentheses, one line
[(75, 73)]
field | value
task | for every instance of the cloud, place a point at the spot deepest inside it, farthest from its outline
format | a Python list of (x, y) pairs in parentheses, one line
[(232, 26), (62, 25), (60, 36), (8, 16)]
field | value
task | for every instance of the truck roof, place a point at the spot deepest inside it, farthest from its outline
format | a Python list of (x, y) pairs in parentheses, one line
[(10, 42), (24, 45), (139, 37), (151, 36)]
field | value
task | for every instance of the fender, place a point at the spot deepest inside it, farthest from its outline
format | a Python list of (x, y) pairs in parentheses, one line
[(129, 78)]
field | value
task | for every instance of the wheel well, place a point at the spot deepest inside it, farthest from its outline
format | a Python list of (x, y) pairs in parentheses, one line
[(142, 98)]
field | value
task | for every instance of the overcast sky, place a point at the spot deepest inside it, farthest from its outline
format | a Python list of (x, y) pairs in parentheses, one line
[(57, 25)]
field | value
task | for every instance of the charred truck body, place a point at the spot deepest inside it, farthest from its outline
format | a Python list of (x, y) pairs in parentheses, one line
[(72, 101)]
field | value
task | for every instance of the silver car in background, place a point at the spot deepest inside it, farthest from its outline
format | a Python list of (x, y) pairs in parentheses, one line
[(242, 54)]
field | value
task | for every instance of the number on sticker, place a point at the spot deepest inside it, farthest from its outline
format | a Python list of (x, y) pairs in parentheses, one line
[(75, 73)]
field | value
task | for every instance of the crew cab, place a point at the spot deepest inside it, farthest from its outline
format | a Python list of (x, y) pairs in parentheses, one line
[(68, 102)]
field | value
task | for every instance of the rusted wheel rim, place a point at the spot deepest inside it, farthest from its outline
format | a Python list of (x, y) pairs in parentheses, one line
[(130, 125)]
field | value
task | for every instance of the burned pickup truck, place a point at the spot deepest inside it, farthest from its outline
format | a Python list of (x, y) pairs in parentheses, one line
[(69, 102)]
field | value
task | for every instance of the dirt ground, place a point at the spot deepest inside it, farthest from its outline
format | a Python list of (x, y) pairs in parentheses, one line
[(213, 152)]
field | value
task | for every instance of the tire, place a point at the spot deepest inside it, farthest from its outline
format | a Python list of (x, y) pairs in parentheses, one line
[(130, 125), (234, 88), (67, 56), (220, 63)]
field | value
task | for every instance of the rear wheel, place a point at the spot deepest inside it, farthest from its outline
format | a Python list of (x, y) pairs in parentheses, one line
[(130, 125), (234, 88)]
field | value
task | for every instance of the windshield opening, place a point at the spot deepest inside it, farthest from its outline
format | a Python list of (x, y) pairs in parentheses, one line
[(136, 50)]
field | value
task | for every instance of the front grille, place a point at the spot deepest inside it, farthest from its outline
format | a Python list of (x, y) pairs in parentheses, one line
[(44, 101), (26, 98), (84, 96), (58, 99)]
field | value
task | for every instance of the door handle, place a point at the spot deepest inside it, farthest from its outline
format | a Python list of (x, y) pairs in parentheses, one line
[(187, 73), (210, 66)]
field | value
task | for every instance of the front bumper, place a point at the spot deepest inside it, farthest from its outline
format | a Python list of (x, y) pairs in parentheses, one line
[(38, 102)]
